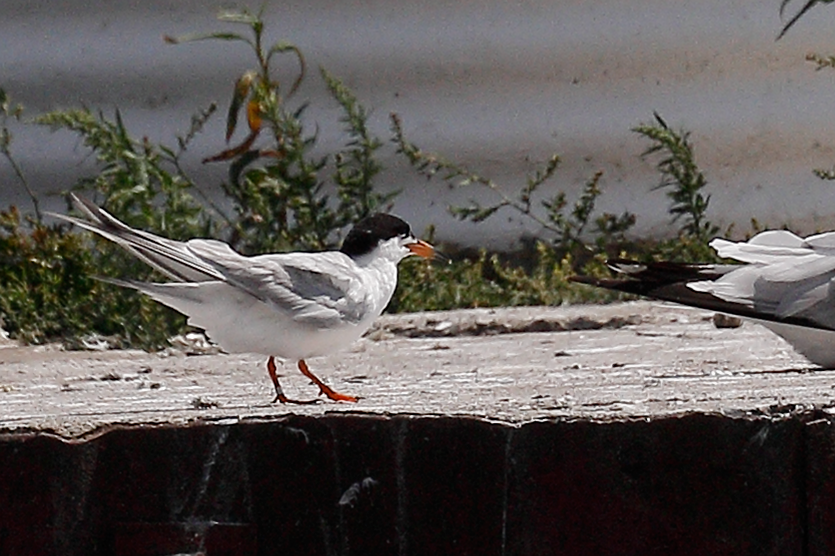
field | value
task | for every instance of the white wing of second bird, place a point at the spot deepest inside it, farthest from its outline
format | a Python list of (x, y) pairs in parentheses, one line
[(787, 284)]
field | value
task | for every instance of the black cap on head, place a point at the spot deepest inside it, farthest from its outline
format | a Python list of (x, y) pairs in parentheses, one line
[(370, 231)]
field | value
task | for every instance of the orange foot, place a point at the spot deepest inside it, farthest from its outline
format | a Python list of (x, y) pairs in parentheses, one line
[(279, 392), (324, 388)]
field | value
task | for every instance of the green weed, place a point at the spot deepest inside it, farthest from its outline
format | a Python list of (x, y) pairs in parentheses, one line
[(567, 227), (284, 197)]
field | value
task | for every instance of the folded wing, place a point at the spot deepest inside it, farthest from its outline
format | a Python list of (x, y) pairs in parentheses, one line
[(322, 290), (786, 276), (295, 284)]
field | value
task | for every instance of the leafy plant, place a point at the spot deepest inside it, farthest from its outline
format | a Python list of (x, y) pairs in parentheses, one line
[(14, 111), (48, 290), (284, 196), (280, 197), (822, 62), (36, 285), (485, 280), (141, 183), (681, 177), (144, 185), (566, 226), (806, 7)]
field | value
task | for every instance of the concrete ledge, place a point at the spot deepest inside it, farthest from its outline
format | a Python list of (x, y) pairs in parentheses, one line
[(635, 429), (616, 362)]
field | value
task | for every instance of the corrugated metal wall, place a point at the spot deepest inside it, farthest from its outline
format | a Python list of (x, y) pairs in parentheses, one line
[(492, 84)]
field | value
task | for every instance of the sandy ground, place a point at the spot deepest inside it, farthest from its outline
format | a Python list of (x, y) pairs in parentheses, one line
[(623, 361)]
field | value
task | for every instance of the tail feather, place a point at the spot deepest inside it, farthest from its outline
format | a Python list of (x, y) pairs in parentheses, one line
[(172, 258), (664, 272), (668, 281)]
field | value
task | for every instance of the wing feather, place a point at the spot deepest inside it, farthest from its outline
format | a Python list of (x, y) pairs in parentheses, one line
[(321, 290), (787, 276), (317, 291)]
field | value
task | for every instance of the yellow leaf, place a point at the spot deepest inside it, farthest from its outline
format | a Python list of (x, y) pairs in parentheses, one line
[(242, 88), (253, 115)]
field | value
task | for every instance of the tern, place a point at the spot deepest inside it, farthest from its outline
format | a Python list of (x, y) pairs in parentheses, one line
[(787, 284), (293, 306)]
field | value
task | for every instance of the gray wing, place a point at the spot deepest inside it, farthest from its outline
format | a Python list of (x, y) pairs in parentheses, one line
[(321, 290)]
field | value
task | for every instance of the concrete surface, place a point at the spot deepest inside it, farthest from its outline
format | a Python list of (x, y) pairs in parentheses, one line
[(602, 363), (635, 429)]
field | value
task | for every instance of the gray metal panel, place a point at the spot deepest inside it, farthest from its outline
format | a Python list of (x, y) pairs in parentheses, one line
[(488, 83)]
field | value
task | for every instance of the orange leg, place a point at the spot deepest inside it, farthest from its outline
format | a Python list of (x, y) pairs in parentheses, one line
[(279, 393), (324, 388)]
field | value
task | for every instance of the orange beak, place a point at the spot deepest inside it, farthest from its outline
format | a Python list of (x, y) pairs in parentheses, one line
[(422, 249)]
